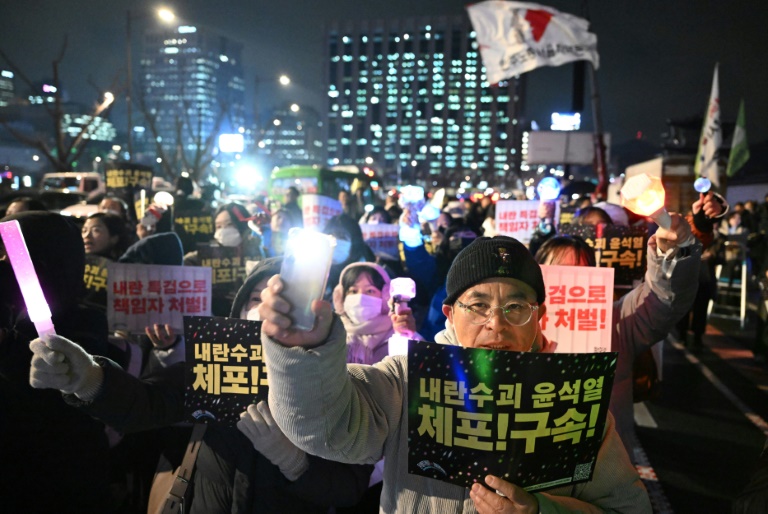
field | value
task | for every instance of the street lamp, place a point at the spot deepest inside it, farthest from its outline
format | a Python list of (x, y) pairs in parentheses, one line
[(163, 14), (284, 80)]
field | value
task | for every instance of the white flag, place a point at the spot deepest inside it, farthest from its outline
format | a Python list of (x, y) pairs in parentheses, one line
[(711, 138), (516, 37)]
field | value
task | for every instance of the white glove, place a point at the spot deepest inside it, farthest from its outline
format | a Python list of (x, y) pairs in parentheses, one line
[(58, 363), (258, 425)]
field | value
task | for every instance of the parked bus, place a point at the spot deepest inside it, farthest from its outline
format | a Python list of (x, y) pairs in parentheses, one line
[(326, 181)]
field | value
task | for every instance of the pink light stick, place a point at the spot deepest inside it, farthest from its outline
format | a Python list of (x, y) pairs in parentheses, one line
[(16, 248)]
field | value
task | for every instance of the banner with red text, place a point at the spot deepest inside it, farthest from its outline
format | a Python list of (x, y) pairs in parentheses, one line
[(517, 218), (382, 238), (139, 295), (579, 314), (316, 210)]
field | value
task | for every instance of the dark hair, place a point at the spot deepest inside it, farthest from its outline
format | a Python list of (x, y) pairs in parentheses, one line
[(31, 204), (123, 203), (378, 210), (116, 227), (582, 214), (237, 213), (556, 247), (352, 274), (184, 185)]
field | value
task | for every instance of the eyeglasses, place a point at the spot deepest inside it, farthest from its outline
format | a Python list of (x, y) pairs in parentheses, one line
[(516, 313)]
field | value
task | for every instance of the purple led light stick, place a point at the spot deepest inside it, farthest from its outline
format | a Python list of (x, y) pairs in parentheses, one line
[(16, 248)]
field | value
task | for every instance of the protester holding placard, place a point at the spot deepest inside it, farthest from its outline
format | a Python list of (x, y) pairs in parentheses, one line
[(645, 315), (42, 440), (229, 476), (359, 413)]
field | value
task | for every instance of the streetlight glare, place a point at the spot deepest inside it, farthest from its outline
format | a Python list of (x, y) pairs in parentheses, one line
[(108, 98), (294, 107), (166, 14), (285, 80)]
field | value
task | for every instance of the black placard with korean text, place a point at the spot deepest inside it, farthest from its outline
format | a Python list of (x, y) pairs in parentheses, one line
[(225, 370), (533, 419)]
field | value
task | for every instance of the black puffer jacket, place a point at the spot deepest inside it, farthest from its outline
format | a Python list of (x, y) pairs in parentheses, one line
[(52, 457)]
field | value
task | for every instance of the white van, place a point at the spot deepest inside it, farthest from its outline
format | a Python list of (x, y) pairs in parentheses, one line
[(88, 182)]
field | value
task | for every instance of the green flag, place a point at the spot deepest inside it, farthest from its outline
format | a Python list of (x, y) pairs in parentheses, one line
[(739, 147)]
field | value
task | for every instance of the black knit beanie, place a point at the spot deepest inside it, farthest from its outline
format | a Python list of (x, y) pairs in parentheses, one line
[(488, 257)]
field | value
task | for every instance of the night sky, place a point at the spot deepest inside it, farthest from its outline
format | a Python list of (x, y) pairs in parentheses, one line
[(656, 58)]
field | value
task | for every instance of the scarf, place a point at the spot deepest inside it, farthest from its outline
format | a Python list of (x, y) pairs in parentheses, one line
[(365, 340)]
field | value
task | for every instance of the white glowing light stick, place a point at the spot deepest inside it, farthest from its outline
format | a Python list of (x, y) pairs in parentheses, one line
[(402, 290), (644, 195), (16, 248)]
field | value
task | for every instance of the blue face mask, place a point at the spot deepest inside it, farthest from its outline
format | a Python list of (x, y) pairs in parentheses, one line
[(341, 251)]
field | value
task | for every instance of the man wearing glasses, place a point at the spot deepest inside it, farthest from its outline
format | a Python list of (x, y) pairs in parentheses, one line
[(495, 299)]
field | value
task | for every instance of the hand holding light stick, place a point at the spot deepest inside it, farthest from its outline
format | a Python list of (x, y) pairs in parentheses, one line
[(16, 248), (402, 290), (644, 195)]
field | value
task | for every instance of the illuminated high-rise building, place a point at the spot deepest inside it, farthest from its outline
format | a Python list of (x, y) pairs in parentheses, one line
[(291, 136), (412, 96), (192, 84), (7, 89)]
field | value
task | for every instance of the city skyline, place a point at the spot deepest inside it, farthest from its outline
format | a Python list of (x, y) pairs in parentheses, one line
[(642, 80)]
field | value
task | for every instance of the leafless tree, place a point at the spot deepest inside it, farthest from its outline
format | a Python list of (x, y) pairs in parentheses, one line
[(63, 150), (188, 132)]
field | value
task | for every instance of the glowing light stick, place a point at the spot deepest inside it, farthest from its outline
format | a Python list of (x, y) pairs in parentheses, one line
[(16, 248), (412, 194), (702, 185), (402, 290), (429, 213), (398, 345), (644, 195), (548, 189)]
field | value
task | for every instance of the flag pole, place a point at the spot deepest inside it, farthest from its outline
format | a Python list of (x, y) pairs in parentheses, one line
[(601, 191)]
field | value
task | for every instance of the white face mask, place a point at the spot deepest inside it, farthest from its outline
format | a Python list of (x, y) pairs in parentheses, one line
[(251, 315), (228, 236), (361, 307), (341, 251)]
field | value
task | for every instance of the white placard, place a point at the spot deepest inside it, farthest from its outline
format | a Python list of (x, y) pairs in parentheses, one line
[(139, 295), (579, 308), (316, 210), (382, 238), (517, 218)]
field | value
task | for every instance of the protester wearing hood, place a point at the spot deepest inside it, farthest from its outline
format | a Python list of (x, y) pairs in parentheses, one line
[(361, 298), (46, 446), (229, 476), (161, 347), (350, 247), (104, 234), (359, 413), (163, 248)]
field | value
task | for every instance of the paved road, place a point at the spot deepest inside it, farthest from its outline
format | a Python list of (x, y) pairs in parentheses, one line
[(701, 439)]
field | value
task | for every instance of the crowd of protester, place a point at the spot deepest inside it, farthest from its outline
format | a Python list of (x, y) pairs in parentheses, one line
[(91, 411)]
